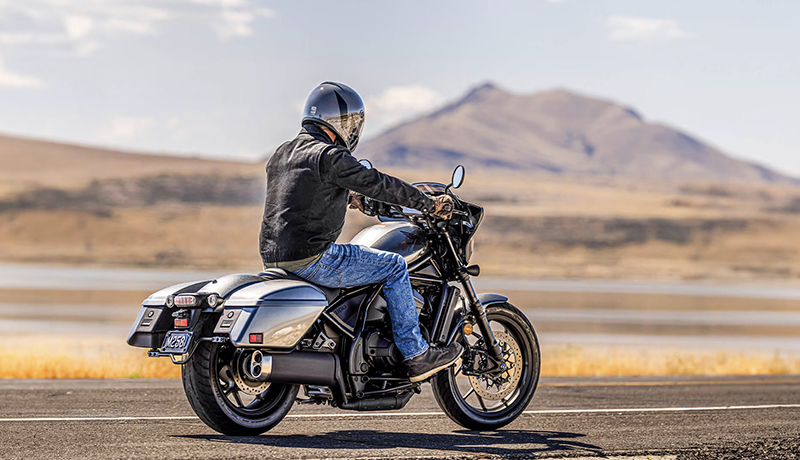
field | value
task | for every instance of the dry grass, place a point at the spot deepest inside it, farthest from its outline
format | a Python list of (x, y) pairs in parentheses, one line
[(77, 359), (104, 360), (576, 361)]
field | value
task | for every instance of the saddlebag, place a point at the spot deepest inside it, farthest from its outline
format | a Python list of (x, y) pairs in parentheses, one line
[(272, 314)]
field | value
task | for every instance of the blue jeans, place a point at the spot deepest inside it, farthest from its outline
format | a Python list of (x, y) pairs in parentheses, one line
[(349, 265)]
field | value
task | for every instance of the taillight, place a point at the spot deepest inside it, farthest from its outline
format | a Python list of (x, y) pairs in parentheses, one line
[(181, 322), (256, 338), (185, 301)]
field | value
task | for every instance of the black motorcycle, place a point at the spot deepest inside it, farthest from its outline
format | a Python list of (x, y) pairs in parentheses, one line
[(248, 344)]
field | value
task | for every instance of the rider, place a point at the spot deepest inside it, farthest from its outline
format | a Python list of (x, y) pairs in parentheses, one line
[(308, 179)]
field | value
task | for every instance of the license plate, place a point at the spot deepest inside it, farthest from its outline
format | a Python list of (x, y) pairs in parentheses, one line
[(177, 342)]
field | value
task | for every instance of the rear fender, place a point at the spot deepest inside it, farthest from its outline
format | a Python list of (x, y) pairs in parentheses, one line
[(154, 318)]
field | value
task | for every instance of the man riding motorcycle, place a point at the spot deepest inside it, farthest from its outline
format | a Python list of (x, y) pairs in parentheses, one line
[(310, 181)]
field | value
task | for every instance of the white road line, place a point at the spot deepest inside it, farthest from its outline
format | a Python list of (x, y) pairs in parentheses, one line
[(418, 414), (93, 419)]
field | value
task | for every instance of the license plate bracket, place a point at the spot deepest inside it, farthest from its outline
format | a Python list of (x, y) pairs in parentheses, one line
[(177, 342)]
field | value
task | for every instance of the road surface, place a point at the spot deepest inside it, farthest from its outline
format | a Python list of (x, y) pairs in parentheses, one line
[(569, 417)]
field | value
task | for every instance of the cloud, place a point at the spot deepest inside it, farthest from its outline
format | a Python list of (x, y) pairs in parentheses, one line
[(399, 103), (629, 28), (78, 26), (128, 128), (238, 23), (12, 80), (87, 25)]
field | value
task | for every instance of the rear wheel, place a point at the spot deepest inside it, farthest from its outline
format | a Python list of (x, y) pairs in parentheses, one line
[(490, 400), (224, 397)]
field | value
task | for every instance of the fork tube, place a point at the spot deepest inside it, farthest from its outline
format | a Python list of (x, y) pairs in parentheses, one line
[(480, 317), (475, 304)]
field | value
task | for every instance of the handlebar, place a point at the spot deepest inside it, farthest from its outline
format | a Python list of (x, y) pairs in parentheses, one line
[(410, 214)]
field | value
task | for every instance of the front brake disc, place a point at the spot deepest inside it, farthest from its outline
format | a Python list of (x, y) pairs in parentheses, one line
[(497, 386)]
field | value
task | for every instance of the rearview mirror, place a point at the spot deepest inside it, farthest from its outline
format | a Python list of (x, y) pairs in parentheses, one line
[(365, 163), (458, 177)]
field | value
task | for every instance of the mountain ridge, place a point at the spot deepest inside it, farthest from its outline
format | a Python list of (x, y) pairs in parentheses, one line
[(561, 132)]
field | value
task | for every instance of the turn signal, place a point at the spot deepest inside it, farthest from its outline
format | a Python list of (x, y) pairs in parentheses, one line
[(467, 329)]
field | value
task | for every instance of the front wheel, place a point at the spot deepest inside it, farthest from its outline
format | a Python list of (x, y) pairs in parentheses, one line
[(490, 400), (225, 399)]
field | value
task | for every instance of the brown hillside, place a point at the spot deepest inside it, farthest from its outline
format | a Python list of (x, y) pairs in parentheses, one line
[(29, 162), (560, 132)]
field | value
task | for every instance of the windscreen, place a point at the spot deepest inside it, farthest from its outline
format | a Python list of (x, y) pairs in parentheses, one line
[(431, 188)]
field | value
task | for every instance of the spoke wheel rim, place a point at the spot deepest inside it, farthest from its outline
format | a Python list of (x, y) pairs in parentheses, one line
[(470, 400), (244, 403)]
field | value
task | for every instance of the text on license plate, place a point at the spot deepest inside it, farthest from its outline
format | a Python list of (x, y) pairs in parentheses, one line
[(177, 342)]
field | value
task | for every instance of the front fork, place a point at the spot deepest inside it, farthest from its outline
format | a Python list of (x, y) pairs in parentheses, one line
[(479, 312)]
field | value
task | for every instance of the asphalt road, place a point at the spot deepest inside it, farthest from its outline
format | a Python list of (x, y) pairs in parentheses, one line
[(587, 417)]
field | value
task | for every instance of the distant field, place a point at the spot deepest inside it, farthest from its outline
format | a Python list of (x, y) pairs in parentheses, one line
[(30, 163), (535, 225)]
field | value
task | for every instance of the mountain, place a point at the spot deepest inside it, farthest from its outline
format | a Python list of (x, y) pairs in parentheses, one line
[(556, 131)]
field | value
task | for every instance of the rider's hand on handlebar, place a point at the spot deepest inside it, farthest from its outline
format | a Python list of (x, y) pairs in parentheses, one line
[(356, 201), (443, 207)]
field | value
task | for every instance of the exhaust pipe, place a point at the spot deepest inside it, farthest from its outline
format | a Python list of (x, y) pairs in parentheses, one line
[(390, 402), (315, 368), (295, 368)]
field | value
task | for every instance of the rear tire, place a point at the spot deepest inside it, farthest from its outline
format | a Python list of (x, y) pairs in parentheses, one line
[(514, 326), (209, 394)]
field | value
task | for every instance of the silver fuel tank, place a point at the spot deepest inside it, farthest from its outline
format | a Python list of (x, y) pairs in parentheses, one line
[(399, 237)]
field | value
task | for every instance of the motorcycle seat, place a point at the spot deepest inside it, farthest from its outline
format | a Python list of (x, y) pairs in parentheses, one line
[(278, 273)]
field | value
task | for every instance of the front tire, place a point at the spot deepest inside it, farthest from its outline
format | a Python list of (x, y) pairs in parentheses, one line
[(233, 408), (478, 404)]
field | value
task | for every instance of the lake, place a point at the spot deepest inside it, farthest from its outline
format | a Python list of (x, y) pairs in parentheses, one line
[(103, 302)]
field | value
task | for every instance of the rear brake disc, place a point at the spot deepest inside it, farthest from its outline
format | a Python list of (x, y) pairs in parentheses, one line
[(248, 386)]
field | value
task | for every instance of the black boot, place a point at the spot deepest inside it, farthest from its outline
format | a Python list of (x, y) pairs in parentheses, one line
[(432, 361)]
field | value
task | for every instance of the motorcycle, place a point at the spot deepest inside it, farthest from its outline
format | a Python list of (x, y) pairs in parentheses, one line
[(248, 344)]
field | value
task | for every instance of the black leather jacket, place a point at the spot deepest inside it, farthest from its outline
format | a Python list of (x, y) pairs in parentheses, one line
[(308, 179)]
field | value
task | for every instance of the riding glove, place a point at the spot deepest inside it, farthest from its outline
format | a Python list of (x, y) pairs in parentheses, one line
[(356, 201), (443, 206)]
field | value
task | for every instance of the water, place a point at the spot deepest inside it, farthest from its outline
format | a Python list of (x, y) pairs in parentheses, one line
[(13, 276), (87, 278), (623, 314)]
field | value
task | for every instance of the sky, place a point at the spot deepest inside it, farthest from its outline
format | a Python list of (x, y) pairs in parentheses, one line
[(228, 78)]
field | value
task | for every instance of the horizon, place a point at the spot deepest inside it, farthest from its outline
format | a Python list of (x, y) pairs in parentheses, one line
[(226, 79), (443, 105)]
